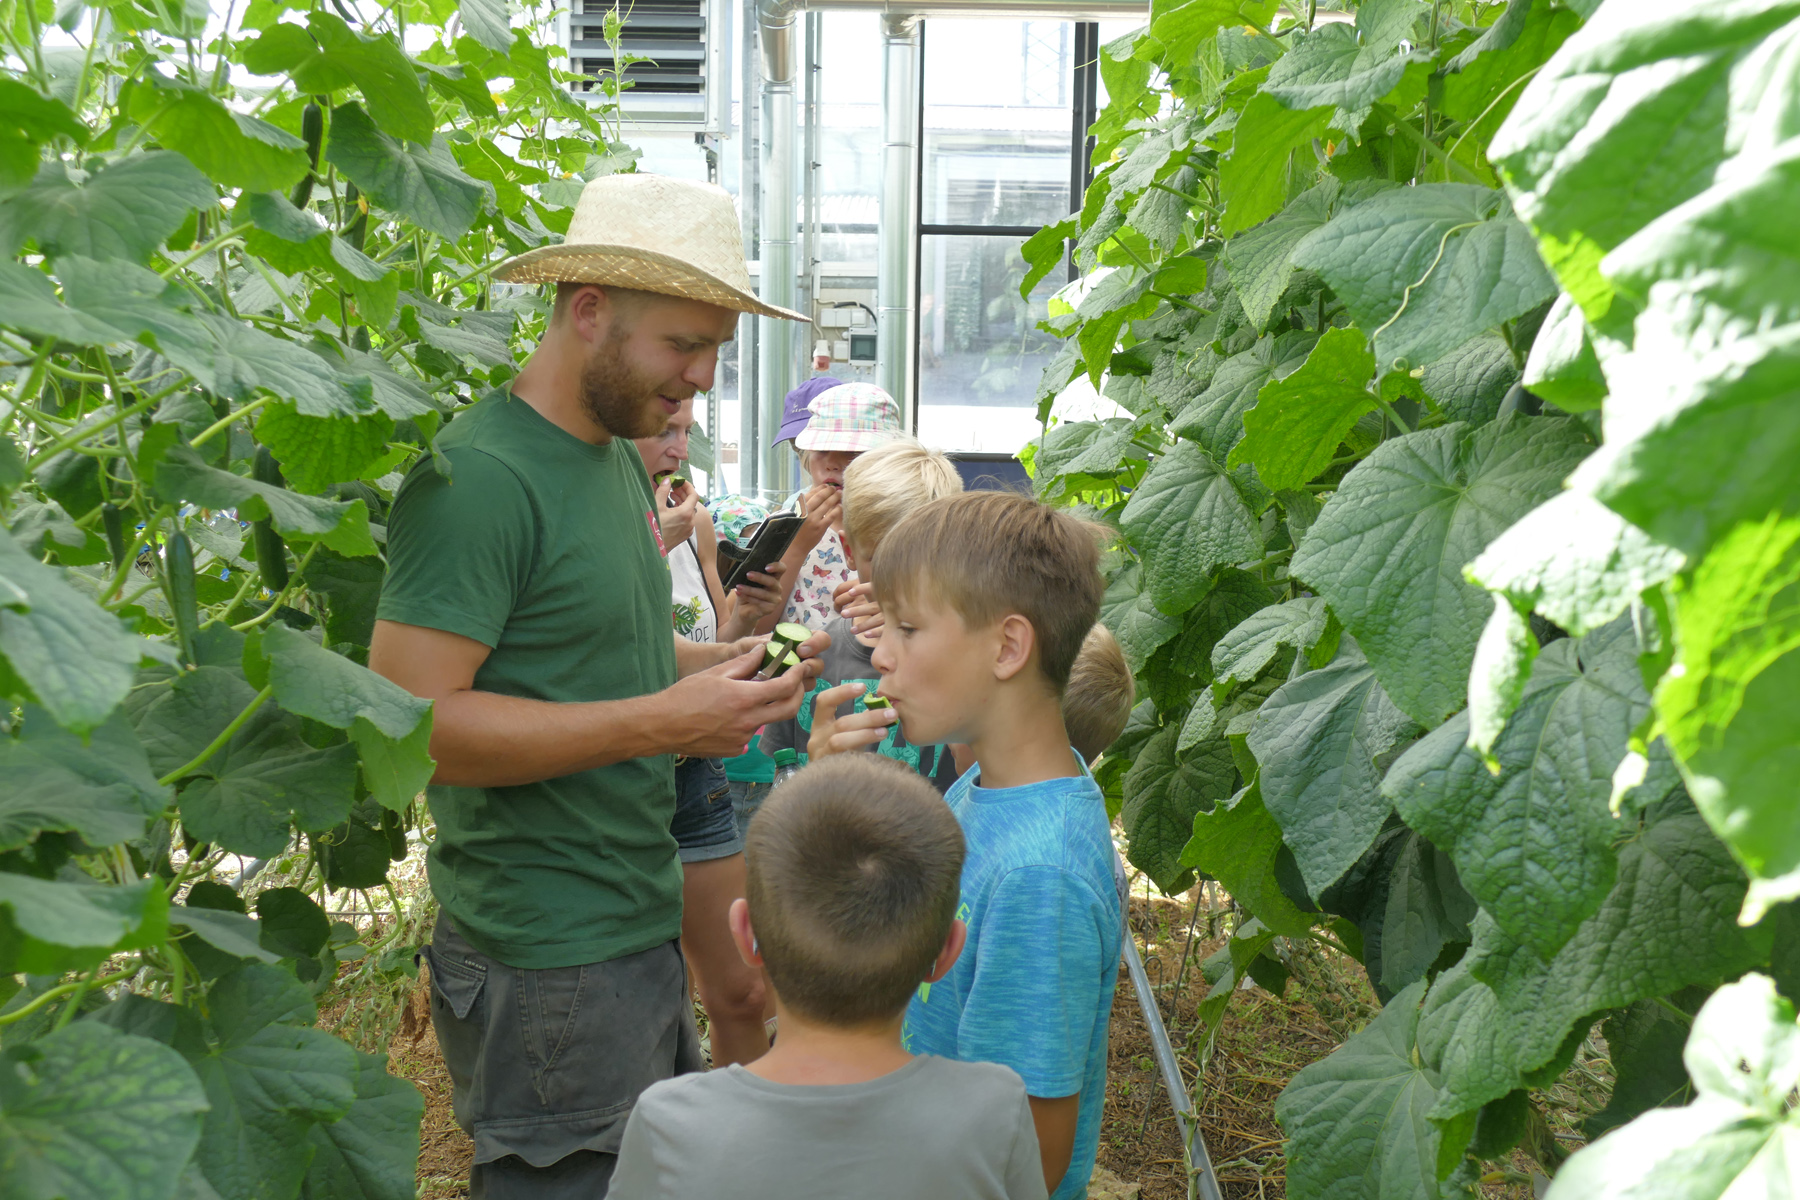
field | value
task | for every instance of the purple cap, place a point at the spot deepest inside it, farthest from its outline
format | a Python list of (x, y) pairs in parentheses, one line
[(797, 412)]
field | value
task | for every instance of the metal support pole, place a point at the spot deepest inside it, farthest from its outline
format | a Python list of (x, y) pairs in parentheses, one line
[(897, 265), (748, 194), (775, 336)]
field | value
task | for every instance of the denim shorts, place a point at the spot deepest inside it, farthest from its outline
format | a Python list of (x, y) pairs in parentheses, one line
[(746, 797), (545, 1065), (704, 828)]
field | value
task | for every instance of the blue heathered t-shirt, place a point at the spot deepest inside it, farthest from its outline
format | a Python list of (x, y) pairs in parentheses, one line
[(1033, 988)]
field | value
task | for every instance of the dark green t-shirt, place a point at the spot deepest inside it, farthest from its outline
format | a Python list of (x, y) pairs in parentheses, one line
[(542, 547)]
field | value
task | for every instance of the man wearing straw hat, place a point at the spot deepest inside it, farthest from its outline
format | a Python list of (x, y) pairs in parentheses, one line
[(527, 595)]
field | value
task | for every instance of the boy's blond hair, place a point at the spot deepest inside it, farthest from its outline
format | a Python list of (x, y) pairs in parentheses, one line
[(1098, 700), (889, 482), (991, 554), (855, 866)]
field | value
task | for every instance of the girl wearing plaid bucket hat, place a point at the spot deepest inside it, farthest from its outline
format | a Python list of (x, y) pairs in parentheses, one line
[(845, 421)]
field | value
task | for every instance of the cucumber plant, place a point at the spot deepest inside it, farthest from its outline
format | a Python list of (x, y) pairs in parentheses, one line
[(241, 288), (1456, 538)]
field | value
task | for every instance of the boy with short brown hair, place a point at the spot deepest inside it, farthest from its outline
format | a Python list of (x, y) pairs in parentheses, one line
[(854, 868), (881, 488), (988, 598), (1098, 700)]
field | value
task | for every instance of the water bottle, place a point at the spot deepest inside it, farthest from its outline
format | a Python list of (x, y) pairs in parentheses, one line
[(787, 765)]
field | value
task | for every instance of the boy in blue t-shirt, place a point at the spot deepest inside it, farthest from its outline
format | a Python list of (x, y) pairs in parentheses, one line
[(987, 598)]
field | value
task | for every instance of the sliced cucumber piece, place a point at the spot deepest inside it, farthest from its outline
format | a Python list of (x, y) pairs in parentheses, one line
[(877, 701), (791, 632)]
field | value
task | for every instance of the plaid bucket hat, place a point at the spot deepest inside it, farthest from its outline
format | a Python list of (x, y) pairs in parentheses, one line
[(853, 417)]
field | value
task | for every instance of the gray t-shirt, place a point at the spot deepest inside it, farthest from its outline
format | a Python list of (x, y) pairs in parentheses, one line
[(937, 1128)]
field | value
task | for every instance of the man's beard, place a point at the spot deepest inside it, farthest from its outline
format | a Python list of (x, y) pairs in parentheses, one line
[(620, 400)]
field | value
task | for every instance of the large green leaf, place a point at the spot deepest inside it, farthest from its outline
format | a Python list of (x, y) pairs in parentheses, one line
[(1253, 178), (101, 788), (178, 717), (342, 525), (1237, 843), (1164, 791), (1322, 742), (48, 927), (1706, 428), (1389, 548), (1215, 417), (28, 304), (269, 1080), (373, 1152), (1333, 66), (1471, 382), (1574, 560), (1180, 26), (488, 22), (1298, 422), (119, 210), (1729, 710), (1184, 663), (1188, 518), (1357, 1120), (1240, 656), (75, 658), (390, 726), (1427, 268), (1534, 842), (423, 185), (1627, 120), (1134, 619), (1643, 1043), (328, 56), (232, 148), (89, 1113), (1740, 1136), (1563, 367), (316, 452), (1258, 257), (244, 797), (1427, 909), (1670, 921), (245, 359)]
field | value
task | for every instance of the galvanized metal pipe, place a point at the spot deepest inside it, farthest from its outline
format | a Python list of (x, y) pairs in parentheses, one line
[(896, 274), (896, 282)]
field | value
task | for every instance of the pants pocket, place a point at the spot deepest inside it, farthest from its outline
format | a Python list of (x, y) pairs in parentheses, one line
[(550, 1011)]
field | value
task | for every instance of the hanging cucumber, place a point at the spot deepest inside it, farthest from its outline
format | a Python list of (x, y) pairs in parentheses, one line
[(357, 231), (312, 131), (271, 554), (178, 570), (112, 519)]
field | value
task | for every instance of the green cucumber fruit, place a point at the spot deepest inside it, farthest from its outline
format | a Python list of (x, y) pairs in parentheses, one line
[(178, 569), (877, 701), (112, 519), (312, 131), (271, 553)]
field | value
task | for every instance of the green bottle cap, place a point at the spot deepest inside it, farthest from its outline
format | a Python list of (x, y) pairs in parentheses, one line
[(785, 757)]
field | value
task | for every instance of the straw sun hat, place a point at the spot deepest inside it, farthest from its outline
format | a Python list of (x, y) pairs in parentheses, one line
[(655, 234)]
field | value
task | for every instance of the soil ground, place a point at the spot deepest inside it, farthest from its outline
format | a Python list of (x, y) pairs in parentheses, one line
[(1260, 1044)]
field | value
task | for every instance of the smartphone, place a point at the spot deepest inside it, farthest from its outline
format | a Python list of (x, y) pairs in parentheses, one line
[(771, 541)]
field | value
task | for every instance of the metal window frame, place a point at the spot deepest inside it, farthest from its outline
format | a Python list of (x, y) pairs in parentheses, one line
[(1083, 101)]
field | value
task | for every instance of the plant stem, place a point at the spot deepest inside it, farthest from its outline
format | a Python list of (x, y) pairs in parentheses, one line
[(218, 743), (203, 251), (1393, 416), (281, 598), (82, 987), (84, 432), (51, 995), (1431, 148), (228, 418)]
